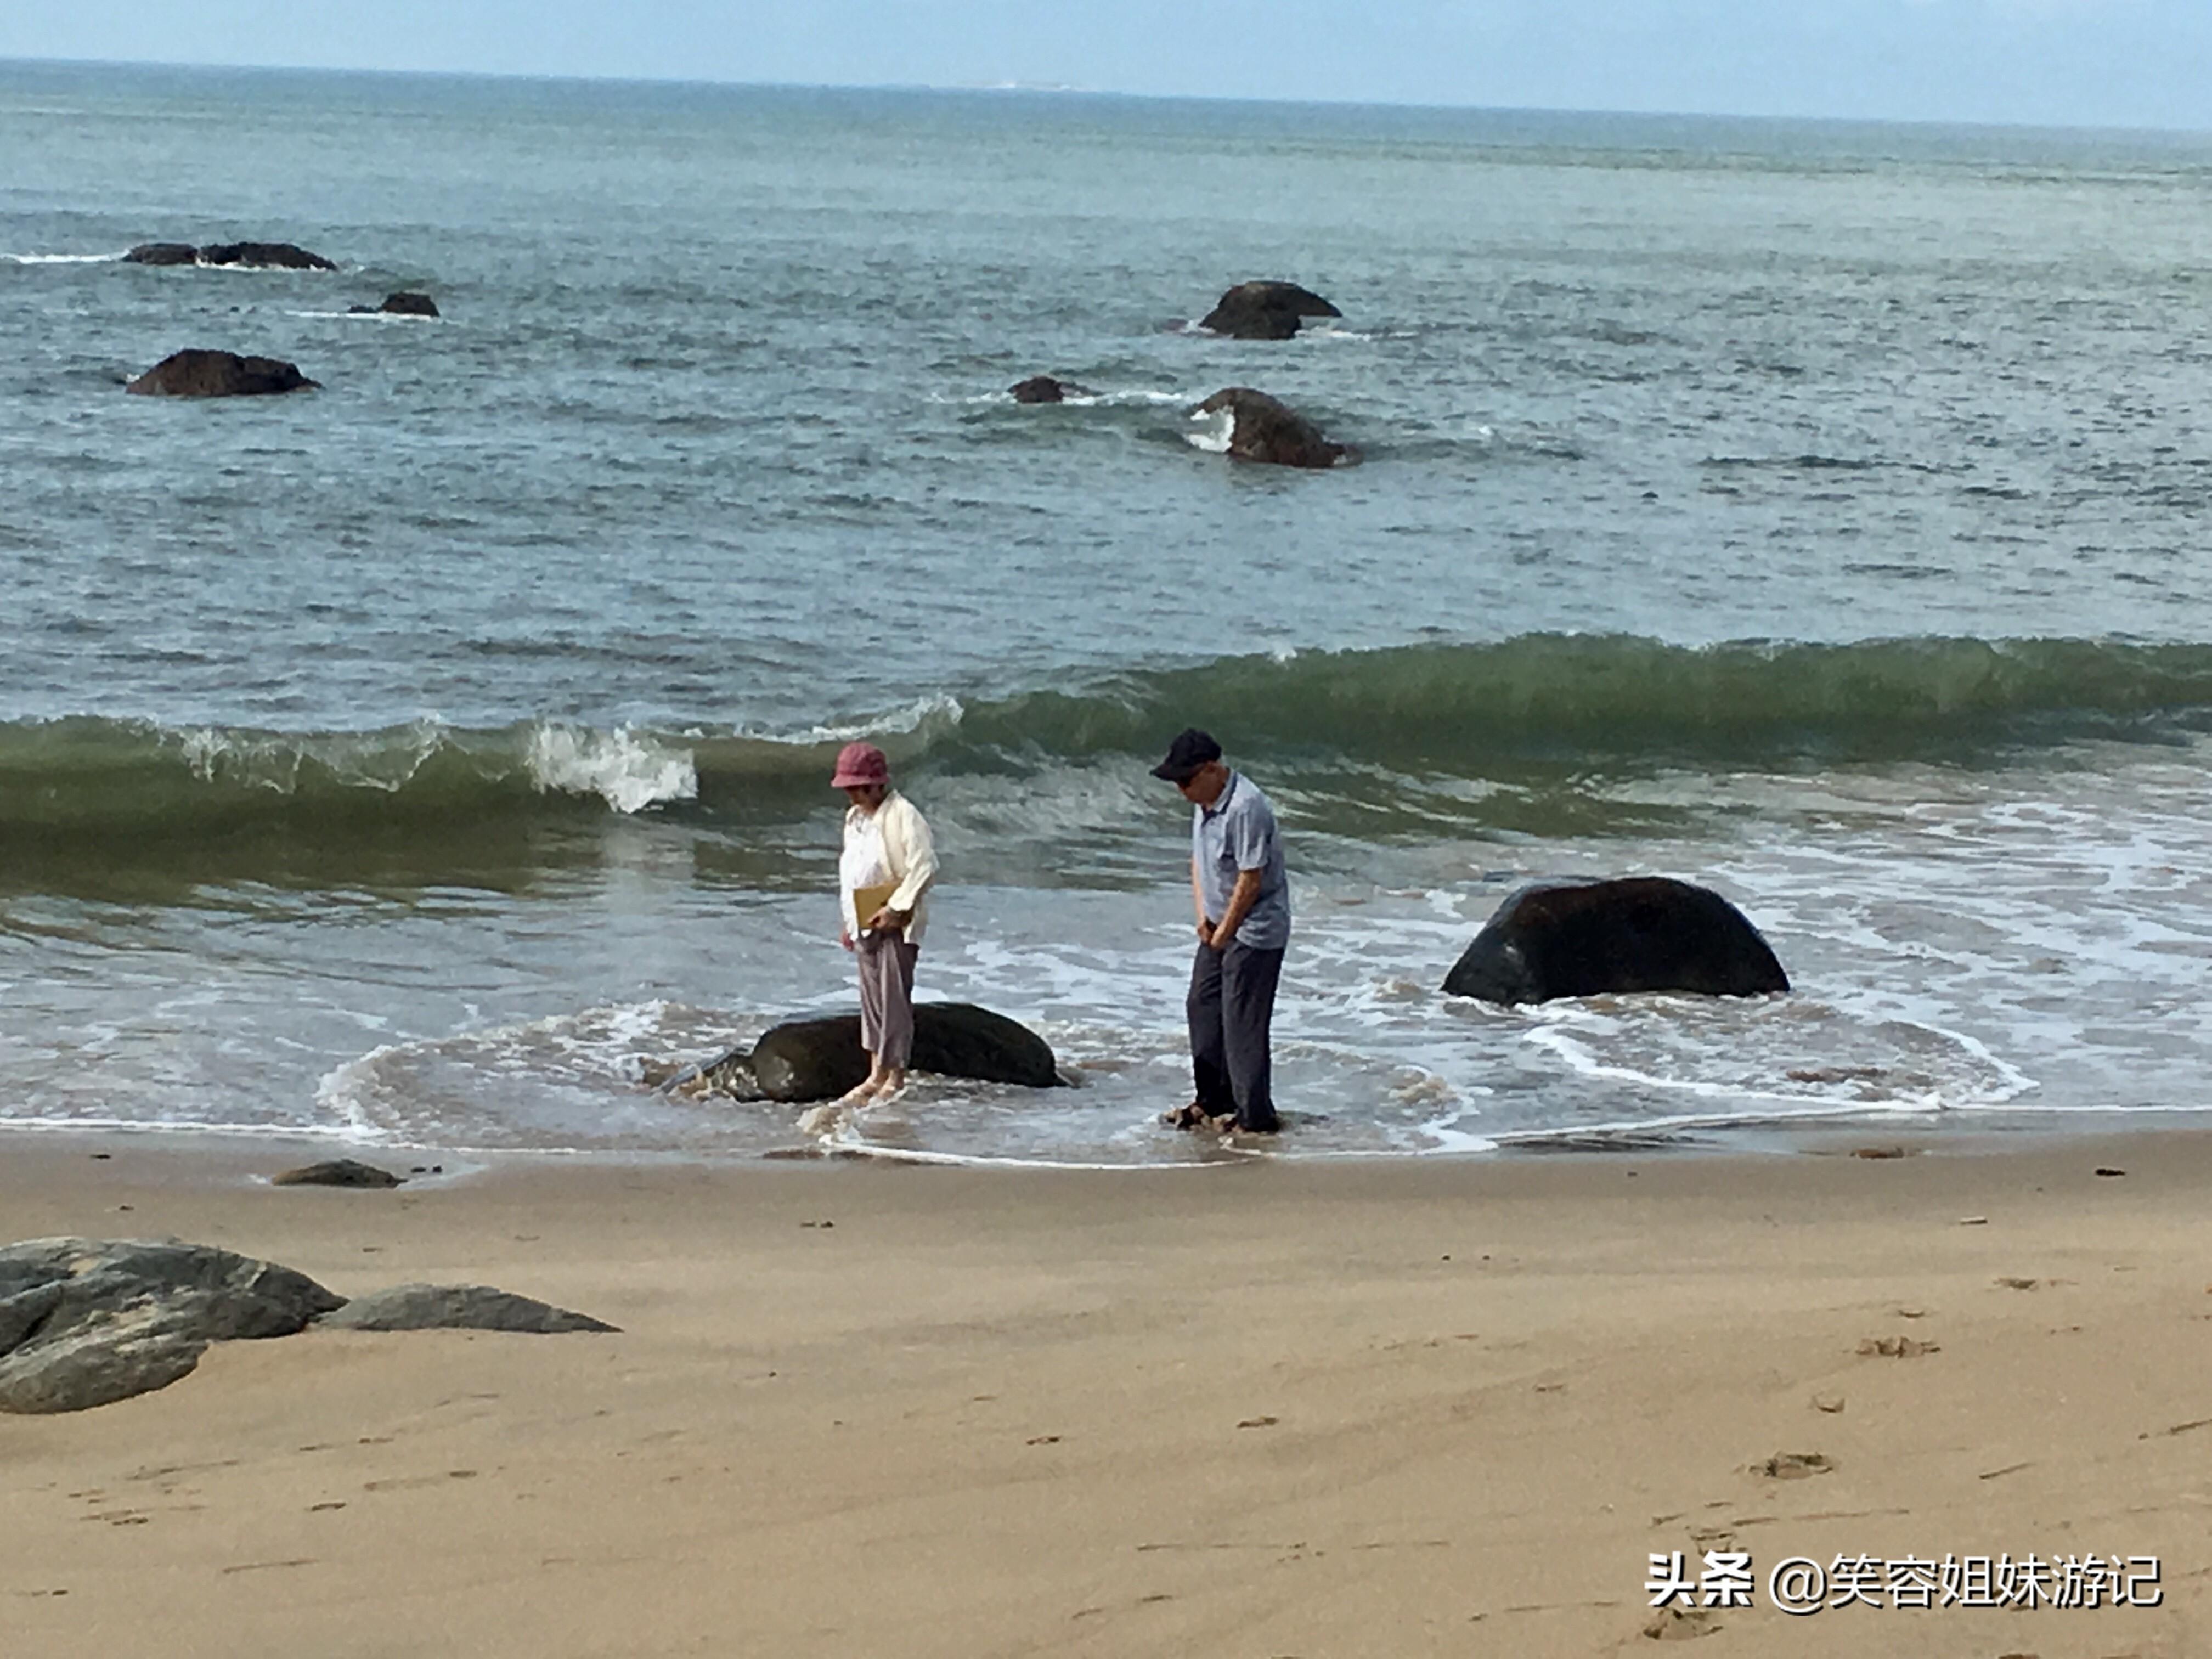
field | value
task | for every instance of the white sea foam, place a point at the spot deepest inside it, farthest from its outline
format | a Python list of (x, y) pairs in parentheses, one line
[(938, 711), (61, 259), (367, 314), (244, 1131), (1216, 427), (1127, 397), (1130, 400), (628, 771)]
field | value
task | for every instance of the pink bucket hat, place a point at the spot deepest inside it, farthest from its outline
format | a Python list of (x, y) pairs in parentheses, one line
[(859, 763)]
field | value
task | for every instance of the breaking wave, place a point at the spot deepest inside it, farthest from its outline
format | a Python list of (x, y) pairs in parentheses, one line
[(1571, 701)]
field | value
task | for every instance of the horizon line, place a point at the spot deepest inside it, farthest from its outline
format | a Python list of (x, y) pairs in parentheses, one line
[(1051, 90)]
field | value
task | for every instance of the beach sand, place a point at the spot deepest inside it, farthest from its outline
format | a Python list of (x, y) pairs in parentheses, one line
[(1260, 1409)]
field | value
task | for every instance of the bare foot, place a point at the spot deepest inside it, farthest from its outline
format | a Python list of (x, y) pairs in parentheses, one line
[(860, 1094)]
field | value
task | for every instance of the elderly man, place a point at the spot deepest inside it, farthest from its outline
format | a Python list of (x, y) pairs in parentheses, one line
[(1243, 903)]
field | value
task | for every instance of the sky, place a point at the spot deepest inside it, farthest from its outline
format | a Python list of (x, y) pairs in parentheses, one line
[(2060, 63)]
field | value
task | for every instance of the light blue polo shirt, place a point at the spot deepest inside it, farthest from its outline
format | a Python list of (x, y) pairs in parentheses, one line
[(1239, 833)]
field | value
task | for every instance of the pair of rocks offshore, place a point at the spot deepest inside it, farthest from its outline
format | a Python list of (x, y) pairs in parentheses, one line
[(256, 256), (197, 372), (1259, 428)]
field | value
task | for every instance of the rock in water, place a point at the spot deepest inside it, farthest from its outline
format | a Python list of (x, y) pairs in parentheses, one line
[(336, 1172), (409, 305), (1639, 933), (818, 1059), (85, 1321), (279, 255), (192, 374), (1263, 428), (282, 256), (1265, 311), (1043, 389), (456, 1308)]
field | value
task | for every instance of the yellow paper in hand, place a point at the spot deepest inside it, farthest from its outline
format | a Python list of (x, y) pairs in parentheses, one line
[(866, 900)]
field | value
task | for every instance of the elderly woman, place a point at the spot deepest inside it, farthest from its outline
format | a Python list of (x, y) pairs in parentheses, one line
[(885, 869)]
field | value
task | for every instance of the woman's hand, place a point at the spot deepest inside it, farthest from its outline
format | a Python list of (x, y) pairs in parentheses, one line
[(845, 936), (887, 917)]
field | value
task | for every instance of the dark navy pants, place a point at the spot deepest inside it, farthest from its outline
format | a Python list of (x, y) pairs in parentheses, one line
[(1231, 1005)]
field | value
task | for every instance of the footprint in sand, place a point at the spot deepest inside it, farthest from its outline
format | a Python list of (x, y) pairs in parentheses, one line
[(1897, 1347), (403, 1483), (1794, 1466), (1682, 1625)]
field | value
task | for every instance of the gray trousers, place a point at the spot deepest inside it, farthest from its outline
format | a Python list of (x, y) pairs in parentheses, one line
[(1231, 1005), (886, 963)]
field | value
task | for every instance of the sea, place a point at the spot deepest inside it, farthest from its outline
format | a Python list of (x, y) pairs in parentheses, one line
[(1818, 513)]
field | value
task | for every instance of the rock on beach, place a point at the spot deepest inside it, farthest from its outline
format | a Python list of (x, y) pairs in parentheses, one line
[(338, 1172), (818, 1059), (456, 1308), (1637, 933), (84, 1322)]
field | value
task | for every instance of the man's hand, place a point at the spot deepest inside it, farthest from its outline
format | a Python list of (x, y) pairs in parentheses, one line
[(1204, 931), (888, 917)]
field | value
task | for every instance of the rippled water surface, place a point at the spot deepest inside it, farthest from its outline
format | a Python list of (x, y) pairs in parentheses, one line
[(1817, 511)]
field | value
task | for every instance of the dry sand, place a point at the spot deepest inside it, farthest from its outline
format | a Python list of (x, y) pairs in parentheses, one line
[(1250, 1410)]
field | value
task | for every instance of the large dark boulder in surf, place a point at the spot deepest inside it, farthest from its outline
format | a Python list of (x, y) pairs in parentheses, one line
[(1265, 311), (456, 1308), (409, 304), (1265, 430), (1043, 389), (1638, 933), (163, 253), (87, 1322), (282, 256), (194, 373), (819, 1059)]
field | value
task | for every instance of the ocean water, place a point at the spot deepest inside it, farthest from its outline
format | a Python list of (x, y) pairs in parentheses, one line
[(1816, 511)]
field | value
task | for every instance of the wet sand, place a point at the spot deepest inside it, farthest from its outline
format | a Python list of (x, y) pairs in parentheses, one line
[(1264, 1410)]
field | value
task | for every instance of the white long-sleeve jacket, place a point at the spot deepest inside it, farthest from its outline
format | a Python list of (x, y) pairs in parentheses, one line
[(909, 853)]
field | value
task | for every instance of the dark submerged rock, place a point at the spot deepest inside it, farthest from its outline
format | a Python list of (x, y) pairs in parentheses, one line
[(409, 305), (195, 374), (457, 1308), (1043, 389), (283, 256), (818, 1059), (1265, 430), (1265, 311), (84, 1322), (336, 1172), (1638, 934)]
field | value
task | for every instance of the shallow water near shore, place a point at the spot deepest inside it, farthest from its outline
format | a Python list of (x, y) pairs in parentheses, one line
[(1812, 511)]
